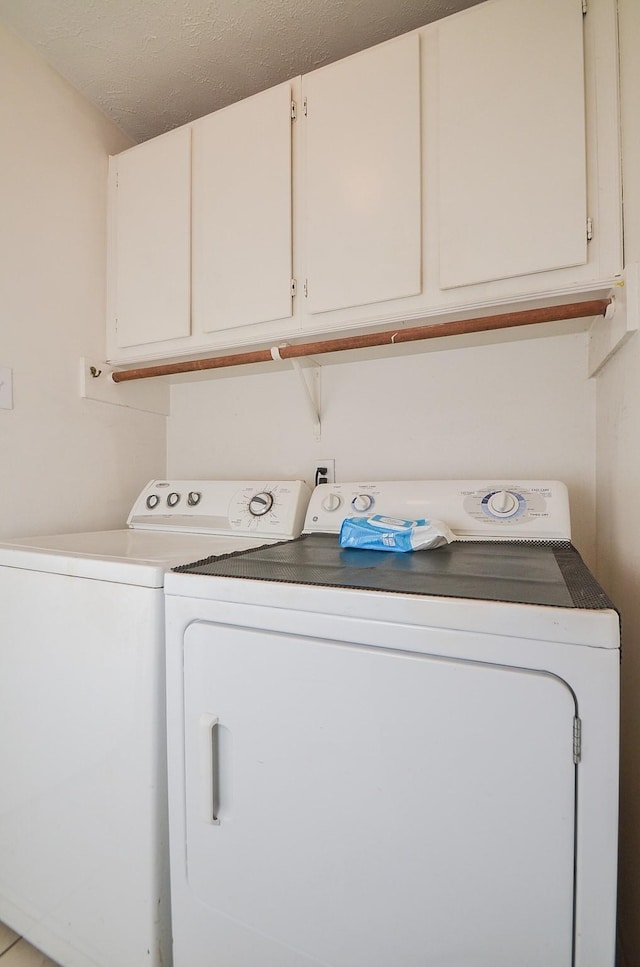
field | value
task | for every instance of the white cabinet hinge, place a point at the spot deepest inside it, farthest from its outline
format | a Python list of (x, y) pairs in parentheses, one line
[(584, 7), (589, 229), (294, 287), (577, 739), (304, 107), (294, 111), (305, 288)]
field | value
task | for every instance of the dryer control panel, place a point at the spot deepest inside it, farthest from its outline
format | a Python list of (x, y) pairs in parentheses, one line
[(274, 509), (531, 510)]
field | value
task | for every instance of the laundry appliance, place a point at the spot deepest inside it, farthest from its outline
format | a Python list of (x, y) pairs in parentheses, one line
[(380, 759), (83, 803)]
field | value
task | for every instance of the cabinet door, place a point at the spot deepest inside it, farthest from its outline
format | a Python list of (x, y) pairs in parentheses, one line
[(363, 177), (151, 241), (242, 213), (372, 807), (511, 140)]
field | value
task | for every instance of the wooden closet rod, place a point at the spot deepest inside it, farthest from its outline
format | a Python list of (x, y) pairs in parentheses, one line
[(506, 320)]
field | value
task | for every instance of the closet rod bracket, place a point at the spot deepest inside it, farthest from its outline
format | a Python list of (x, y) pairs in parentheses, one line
[(97, 383), (308, 373), (621, 320)]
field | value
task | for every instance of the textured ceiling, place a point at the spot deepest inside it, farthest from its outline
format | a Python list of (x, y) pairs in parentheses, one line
[(152, 65)]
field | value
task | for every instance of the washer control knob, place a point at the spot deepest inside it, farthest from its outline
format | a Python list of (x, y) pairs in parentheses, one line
[(260, 504), (331, 502), (152, 501), (362, 502), (194, 498), (503, 503), (173, 498)]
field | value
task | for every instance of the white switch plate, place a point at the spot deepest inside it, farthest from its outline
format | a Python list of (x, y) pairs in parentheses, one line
[(6, 388)]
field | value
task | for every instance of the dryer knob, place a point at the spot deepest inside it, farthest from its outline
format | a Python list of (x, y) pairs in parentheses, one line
[(194, 498), (362, 502), (152, 501), (173, 498), (331, 502), (503, 503)]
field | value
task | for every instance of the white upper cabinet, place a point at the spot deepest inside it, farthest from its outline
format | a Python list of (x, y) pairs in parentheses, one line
[(516, 150), (190, 269), (363, 177), (512, 186), (150, 267), (467, 166), (242, 244)]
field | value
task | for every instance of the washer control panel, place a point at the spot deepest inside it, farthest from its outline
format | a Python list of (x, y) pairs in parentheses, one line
[(473, 509), (272, 508)]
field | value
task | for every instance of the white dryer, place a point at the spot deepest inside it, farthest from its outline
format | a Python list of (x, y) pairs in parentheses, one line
[(83, 813), (396, 760)]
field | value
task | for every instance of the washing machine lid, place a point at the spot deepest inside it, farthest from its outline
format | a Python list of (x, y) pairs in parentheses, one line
[(138, 557), (172, 521)]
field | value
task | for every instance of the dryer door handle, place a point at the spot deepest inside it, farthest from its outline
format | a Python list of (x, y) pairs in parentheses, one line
[(210, 768)]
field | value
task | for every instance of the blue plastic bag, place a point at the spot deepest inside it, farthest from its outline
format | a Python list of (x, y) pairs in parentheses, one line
[(379, 533)]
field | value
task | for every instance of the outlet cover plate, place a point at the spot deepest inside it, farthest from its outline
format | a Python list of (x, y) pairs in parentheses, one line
[(325, 471)]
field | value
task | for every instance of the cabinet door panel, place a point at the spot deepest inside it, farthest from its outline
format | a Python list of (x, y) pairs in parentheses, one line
[(363, 177), (511, 129), (152, 243), (242, 213), (375, 807)]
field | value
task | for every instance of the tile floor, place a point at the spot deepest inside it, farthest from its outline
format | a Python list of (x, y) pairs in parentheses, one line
[(16, 952)]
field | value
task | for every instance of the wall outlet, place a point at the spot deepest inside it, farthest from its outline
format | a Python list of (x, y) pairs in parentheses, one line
[(325, 472), (6, 388)]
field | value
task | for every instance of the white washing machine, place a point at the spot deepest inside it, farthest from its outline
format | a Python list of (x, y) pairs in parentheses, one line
[(396, 760), (83, 815)]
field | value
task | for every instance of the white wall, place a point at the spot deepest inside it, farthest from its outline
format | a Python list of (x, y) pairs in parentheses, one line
[(618, 504), (65, 463), (520, 409)]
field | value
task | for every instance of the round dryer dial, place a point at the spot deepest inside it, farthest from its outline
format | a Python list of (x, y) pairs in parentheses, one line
[(362, 502), (503, 503), (331, 502)]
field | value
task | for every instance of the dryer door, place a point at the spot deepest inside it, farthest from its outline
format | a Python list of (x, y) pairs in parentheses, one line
[(363, 807)]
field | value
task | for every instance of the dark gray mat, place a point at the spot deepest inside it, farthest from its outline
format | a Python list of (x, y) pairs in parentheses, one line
[(539, 574)]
